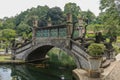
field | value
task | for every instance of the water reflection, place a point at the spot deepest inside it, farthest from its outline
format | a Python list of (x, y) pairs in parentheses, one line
[(33, 72), (4, 71)]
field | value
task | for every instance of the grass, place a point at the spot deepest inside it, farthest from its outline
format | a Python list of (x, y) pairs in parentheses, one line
[(118, 39), (1, 49), (5, 58)]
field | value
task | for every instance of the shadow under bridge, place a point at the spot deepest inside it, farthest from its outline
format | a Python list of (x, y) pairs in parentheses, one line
[(39, 53)]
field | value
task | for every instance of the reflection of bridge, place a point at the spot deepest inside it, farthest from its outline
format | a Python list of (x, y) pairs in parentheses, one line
[(27, 72)]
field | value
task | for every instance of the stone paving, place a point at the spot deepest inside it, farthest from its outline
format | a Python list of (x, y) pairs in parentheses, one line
[(110, 73), (115, 72), (118, 57)]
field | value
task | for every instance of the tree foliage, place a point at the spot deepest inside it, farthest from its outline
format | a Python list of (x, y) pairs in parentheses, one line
[(56, 15), (88, 16), (8, 33), (23, 28), (110, 17), (73, 9)]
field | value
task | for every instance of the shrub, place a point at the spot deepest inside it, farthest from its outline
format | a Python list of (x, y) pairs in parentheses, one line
[(90, 35), (96, 49), (116, 49)]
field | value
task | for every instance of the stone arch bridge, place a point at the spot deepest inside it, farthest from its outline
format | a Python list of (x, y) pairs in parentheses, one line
[(60, 36), (45, 38)]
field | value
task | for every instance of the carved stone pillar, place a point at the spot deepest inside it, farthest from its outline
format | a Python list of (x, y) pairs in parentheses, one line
[(80, 28), (69, 29), (49, 23), (35, 23), (69, 25)]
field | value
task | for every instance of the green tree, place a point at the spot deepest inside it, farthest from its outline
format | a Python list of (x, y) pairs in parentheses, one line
[(31, 19), (73, 9), (1, 24), (21, 17), (88, 16), (88, 19), (56, 15), (8, 34), (8, 23), (23, 28), (111, 18), (40, 12)]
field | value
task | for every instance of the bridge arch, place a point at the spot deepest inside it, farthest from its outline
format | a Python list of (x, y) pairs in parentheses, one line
[(38, 53), (41, 51)]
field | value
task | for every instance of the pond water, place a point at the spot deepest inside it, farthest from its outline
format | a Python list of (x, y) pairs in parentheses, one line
[(35, 72)]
